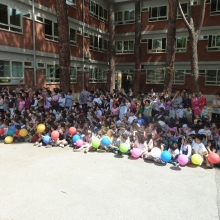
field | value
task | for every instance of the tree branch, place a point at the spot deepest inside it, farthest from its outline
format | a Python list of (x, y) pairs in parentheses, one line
[(183, 16), (201, 17)]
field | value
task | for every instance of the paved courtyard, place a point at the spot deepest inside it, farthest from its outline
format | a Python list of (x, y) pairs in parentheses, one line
[(59, 184)]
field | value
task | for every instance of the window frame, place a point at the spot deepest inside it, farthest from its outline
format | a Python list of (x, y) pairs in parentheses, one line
[(98, 75), (161, 81), (182, 49), (73, 42), (71, 3), (178, 82), (213, 48), (152, 50), (11, 77), (178, 16), (217, 11), (11, 27), (123, 51), (52, 37), (158, 17), (98, 48), (124, 21), (96, 11), (215, 82)]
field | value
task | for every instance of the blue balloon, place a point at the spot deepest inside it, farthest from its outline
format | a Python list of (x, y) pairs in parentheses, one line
[(75, 138), (166, 156), (11, 132), (12, 127), (106, 141), (46, 139)]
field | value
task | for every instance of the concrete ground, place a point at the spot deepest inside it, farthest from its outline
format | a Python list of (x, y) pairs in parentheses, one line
[(59, 184)]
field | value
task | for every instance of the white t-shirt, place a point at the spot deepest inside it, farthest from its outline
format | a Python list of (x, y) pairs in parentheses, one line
[(141, 147), (131, 119), (176, 152), (199, 148)]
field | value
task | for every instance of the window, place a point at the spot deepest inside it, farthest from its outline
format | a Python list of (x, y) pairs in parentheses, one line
[(157, 45), (185, 10), (10, 19), (129, 16), (181, 44), (179, 77), (26, 14), (214, 42), (98, 43), (72, 37), (52, 74), (73, 74), (51, 30), (125, 17), (71, 2), (98, 11), (11, 71), (158, 13), (155, 76), (212, 77), (124, 47), (97, 75), (215, 7)]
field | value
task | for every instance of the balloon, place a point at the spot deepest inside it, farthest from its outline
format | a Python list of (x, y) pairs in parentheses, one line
[(155, 152), (213, 158), (165, 156), (95, 142), (2, 131), (55, 135), (8, 140), (183, 159), (72, 130), (196, 159), (23, 132), (75, 138), (11, 132), (41, 128), (79, 143), (12, 127), (106, 141), (136, 153), (123, 148), (46, 139)]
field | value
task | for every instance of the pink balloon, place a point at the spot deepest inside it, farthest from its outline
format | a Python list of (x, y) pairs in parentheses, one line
[(183, 159), (55, 135), (136, 153), (79, 143)]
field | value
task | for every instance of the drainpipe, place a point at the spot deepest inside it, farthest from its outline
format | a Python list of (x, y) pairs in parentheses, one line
[(34, 41), (83, 55)]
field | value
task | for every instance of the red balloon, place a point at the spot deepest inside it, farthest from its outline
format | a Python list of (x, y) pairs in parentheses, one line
[(55, 135), (1, 131), (213, 158), (72, 130)]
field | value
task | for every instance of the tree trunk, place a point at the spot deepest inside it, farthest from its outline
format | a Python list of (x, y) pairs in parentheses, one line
[(64, 44), (171, 46), (111, 75), (136, 84), (194, 61), (194, 33)]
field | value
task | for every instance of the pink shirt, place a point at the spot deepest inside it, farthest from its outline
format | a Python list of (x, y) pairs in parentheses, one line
[(115, 111), (21, 105)]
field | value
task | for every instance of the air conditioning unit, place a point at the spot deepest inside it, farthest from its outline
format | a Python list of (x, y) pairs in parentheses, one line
[(87, 54)]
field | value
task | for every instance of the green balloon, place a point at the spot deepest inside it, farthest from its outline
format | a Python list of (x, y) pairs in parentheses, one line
[(96, 143), (123, 148)]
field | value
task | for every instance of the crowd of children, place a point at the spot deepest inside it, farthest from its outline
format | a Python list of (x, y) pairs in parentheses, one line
[(178, 124)]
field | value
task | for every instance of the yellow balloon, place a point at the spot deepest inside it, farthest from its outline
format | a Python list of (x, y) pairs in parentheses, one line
[(23, 132), (196, 159), (41, 128), (8, 140)]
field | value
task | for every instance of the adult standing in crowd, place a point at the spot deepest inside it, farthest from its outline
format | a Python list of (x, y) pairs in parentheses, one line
[(216, 108), (84, 95), (177, 99)]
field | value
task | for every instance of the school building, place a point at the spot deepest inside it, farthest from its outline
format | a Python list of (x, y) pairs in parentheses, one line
[(29, 48)]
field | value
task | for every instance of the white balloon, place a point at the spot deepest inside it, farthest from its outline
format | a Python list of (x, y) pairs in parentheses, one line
[(156, 152)]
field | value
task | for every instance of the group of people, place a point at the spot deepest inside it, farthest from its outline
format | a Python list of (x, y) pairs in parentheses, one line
[(180, 124)]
